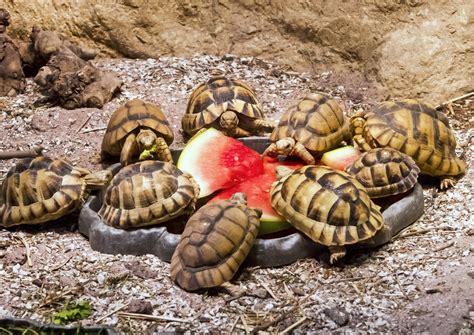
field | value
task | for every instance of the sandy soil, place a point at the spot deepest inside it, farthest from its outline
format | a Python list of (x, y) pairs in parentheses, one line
[(421, 282)]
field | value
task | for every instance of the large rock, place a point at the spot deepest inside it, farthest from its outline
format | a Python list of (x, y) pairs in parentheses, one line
[(412, 47)]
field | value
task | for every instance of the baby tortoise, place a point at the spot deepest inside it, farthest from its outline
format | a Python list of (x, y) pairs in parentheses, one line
[(138, 129), (147, 193), (313, 126), (329, 206), (384, 172), (415, 129), (215, 242), (42, 189), (226, 104)]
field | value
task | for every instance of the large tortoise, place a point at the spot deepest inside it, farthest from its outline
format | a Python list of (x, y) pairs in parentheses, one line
[(384, 172), (329, 206), (138, 129), (147, 193), (226, 104), (42, 189), (415, 129), (316, 124), (215, 242)]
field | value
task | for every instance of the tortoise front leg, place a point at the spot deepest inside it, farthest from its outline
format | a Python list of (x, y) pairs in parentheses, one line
[(262, 125), (271, 151), (337, 252), (129, 150), (163, 151), (300, 151), (237, 132)]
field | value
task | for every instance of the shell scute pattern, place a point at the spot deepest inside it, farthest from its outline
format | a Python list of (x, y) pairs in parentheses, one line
[(313, 118), (215, 242), (129, 118), (40, 189), (384, 172), (415, 129), (329, 206), (147, 193), (209, 100)]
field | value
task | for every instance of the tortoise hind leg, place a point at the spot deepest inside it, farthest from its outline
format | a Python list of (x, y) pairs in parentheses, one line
[(163, 152), (337, 252), (129, 150)]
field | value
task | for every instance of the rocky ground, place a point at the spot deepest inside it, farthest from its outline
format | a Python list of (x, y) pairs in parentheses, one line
[(420, 282)]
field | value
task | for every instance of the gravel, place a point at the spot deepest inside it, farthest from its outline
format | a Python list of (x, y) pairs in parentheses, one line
[(422, 281)]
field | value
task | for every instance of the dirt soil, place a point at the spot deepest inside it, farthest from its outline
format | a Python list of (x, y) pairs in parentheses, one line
[(421, 282)]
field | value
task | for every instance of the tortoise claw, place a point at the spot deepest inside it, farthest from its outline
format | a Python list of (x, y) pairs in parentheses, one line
[(447, 182)]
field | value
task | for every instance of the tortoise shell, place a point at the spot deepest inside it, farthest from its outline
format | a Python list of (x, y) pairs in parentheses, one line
[(41, 189), (384, 172), (209, 100), (415, 129), (148, 193), (317, 122), (135, 114), (329, 206), (215, 242)]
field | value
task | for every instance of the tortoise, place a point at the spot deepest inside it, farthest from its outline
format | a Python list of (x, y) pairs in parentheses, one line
[(42, 189), (226, 104), (384, 172), (416, 129), (215, 242), (138, 129), (314, 125), (329, 206), (147, 193)]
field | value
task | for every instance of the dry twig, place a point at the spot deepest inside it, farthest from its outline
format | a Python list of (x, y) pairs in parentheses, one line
[(294, 325), (467, 95), (27, 249), (267, 288), (36, 151), (84, 123), (85, 131), (112, 312), (402, 234), (150, 317), (445, 246)]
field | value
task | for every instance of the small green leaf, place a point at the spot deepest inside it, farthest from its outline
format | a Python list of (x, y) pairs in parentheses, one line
[(78, 311)]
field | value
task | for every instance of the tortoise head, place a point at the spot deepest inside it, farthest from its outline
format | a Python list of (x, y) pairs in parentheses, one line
[(229, 120), (282, 171), (285, 146), (146, 139), (97, 179), (239, 197)]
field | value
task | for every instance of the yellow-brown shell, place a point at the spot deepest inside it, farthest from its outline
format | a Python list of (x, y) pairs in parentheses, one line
[(41, 189), (384, 172), (317, 121), (215, 242), (417, 130), (209, 100), (135, 114), (148, 193), (329, 206)]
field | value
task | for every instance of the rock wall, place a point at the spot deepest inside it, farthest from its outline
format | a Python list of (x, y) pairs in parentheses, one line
[(410, 47)]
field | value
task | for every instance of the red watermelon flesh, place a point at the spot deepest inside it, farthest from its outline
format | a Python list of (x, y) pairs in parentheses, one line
[(217, 161), (257, 190)]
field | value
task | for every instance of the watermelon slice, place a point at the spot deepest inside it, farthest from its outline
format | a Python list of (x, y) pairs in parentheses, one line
[(217, 161), (257, 190), (341, 157)]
